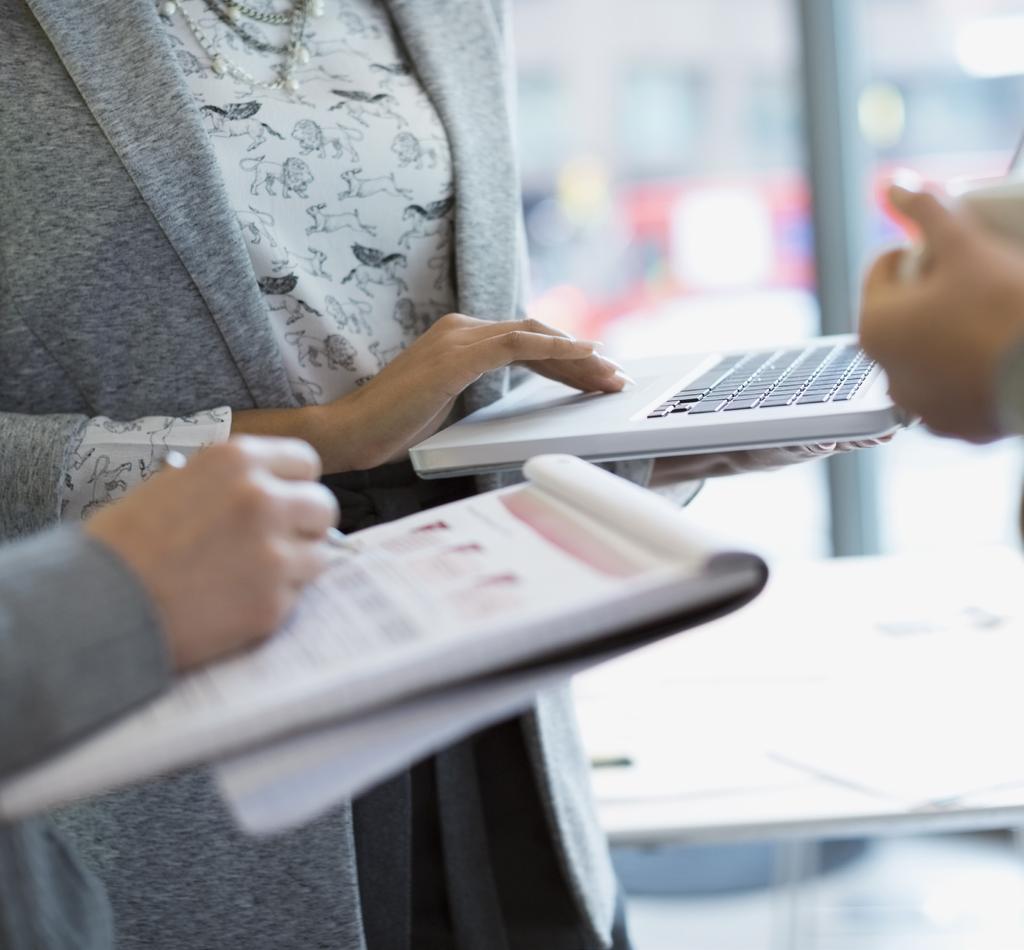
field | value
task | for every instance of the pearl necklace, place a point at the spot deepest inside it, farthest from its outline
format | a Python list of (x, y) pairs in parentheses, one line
[(295, 52)]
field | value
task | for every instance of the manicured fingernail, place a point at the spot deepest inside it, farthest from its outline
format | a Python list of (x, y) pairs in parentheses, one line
[(628, 380), (611, 362)]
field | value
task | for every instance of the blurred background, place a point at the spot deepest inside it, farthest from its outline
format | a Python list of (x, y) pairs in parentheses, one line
[(709, 172), (665, 166)]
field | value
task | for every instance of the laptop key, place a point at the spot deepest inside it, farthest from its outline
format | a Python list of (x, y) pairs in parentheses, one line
[(773, 402), (741, 404), (707, 406), (812, 398)]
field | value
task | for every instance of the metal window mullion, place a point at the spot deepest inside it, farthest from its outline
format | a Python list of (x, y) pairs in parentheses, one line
[(839, 164)]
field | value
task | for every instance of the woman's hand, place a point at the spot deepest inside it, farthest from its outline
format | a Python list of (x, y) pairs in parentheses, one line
[(411, 398), (685, 468)]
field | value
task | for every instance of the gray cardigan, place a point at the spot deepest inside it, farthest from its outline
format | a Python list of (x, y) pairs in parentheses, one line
[(122, 262), (79, 645)]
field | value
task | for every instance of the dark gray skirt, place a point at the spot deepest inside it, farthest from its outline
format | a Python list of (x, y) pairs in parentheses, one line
[(456, 853)]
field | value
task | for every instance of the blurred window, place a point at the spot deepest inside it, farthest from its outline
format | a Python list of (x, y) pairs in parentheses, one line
[(543, 123), (659, 119)]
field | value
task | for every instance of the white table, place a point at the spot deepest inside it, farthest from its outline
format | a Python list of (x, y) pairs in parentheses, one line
[(901, 675)]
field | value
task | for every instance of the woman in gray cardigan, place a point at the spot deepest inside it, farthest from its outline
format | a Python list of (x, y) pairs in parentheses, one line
[(130, 292)]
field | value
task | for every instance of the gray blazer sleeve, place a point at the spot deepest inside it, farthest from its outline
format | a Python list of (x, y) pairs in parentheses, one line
[(34, 454), (79, 644)]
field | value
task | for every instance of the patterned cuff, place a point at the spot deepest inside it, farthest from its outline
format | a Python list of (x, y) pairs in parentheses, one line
[(113, 457)]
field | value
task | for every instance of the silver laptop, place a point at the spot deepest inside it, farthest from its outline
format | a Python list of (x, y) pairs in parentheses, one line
[(683, 404)]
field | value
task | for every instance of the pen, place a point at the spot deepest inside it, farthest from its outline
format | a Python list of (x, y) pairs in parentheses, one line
[(338, 539)]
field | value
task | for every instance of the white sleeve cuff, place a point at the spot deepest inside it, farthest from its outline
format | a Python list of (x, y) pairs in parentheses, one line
[(112, 457)]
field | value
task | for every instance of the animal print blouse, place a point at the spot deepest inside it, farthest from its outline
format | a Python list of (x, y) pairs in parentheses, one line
[(344, 197)]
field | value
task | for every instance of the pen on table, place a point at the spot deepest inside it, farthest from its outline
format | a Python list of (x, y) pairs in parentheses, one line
[(612, 762)]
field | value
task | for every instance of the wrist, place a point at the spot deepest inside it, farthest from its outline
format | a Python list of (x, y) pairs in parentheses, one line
[(336, 431)]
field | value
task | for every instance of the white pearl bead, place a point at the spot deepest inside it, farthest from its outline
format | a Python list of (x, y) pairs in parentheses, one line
[(168, 9), (233, 14), (316, 8), (302, 56), (291, 84), (219, 66)]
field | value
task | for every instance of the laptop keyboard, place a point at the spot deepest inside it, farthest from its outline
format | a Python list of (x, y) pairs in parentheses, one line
[(800, 377)]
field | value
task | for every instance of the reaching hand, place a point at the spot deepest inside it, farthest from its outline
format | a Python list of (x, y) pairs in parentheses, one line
[(225, 545), (942, 336), (412, 397)]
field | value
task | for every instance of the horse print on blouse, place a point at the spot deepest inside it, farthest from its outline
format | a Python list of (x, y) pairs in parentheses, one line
[(350, 317), (308, 75), (293, 175), (236, 119), (368, 187), (324, 223), (312, 265), (258, 225), (107, 481), (428, 222), (358, 105), (377, 268), (313, 141), (391, 73), (296, 309), (410, 151), (311, 350)]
